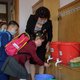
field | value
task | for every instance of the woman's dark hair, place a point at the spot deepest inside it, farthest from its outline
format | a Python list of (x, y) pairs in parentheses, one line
[(3, 23), (43, 12), (13, 23)]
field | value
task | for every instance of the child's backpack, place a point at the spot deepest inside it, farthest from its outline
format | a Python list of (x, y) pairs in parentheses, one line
[(16, 44)]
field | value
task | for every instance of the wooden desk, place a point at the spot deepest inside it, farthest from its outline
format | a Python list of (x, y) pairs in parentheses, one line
[(63, 72)]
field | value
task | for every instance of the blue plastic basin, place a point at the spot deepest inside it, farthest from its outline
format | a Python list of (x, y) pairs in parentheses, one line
[(44, 77)]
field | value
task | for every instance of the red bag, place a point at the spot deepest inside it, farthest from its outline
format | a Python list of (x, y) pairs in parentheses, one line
[(16, 44)]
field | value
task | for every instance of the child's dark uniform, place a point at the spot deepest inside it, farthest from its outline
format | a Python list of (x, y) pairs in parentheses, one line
[(5, 37)]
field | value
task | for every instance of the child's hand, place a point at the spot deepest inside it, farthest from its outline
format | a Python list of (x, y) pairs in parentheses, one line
[(46, 64)]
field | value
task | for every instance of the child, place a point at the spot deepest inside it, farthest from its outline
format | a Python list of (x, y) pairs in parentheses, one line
[(30, 49), (13, 27), (27, 52), (3, 26), (5, 37)]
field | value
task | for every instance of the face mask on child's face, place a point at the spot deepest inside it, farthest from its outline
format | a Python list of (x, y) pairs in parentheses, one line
[(13, 29), (13, 32), (1, 30)]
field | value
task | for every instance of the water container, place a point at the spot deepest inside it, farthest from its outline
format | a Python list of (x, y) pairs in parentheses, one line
[(68, 51), (64, 51), (54, 49), (44, 77)]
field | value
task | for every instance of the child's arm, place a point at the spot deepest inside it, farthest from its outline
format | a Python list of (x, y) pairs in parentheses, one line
[(36, 58), (5, 39)]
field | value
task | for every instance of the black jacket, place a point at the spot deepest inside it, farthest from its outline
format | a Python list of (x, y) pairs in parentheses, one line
[(31, 26)]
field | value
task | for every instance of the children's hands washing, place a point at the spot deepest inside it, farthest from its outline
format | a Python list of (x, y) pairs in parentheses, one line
[(46, 64)]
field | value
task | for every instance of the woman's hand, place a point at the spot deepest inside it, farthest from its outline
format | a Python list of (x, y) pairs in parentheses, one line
[(47, 47)]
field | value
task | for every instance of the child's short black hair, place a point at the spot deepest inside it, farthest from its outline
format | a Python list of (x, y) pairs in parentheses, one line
[(13, 23)]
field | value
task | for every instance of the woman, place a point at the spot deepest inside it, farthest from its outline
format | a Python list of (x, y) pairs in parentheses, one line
[(40, 22)]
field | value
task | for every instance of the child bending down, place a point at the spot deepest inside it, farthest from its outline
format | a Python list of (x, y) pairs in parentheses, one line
[(15, 66)]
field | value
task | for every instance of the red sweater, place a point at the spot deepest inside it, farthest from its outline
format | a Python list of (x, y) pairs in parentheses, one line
[(27, 52)]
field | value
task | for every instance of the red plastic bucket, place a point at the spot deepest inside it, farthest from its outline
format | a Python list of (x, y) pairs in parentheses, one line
[(68, 51), (65, 51), (54, 49)]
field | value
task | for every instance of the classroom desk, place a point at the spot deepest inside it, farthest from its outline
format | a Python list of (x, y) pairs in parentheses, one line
[(64, 72)]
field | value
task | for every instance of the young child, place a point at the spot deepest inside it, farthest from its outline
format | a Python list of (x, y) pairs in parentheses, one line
[(3, 26), (27, 52), (5, 37)]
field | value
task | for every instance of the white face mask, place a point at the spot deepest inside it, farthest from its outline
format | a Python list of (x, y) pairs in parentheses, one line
[(13, 32), (1, 30), (40, 21)]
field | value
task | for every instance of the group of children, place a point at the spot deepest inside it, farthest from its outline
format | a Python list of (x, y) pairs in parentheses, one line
[(16, 63), (7, 31)]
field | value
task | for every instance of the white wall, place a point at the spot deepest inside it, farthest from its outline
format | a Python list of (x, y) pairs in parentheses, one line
[(64, 2), (25, 9)]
